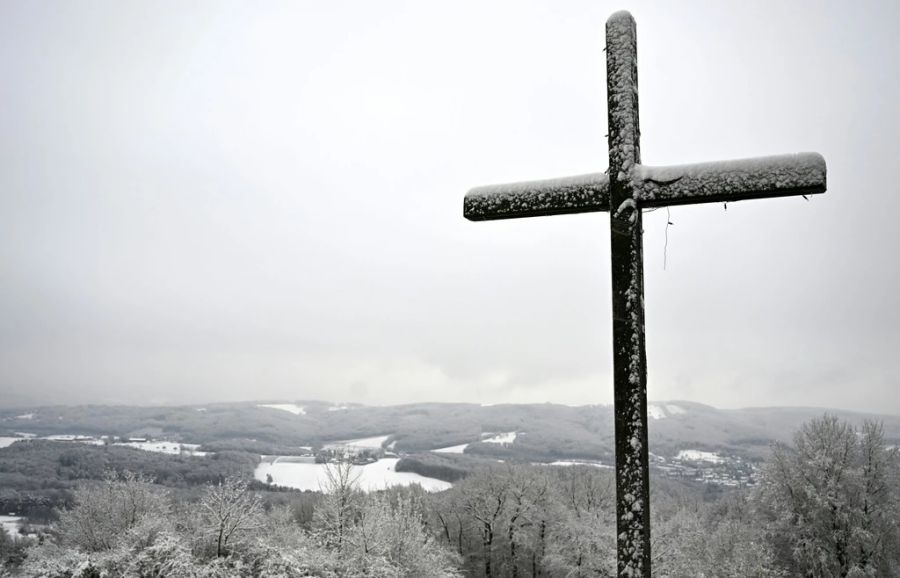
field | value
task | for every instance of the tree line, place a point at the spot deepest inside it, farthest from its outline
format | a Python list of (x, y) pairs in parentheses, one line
[(826, 506), (38, 477)]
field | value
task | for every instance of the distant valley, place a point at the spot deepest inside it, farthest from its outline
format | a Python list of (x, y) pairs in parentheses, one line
[(440, 468), (439, 441)]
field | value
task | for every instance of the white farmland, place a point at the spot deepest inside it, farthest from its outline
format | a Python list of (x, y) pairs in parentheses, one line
[(699, 456), (307, 475), (664, 410), (501, 438), (452, 449), (6, 442), (171, 448), (288, 407), (493, 438), (372, 443), (592, 463), (10, 524)]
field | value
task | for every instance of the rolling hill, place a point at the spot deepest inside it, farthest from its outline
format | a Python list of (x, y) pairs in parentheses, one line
[(544, 432)]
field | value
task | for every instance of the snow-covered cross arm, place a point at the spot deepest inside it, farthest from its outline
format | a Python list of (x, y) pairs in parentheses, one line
[(727, 181), (582, 194), (716, 182)]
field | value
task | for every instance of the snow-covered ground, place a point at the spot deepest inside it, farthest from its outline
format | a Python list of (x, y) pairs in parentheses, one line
[(25, 416), (6, 442), (372, 443), (164, 447), (375, 476), (10, 524), (592, 463), (655, 411), (501, 438), (494, 438), (90, 440), (452, 449), (699, 456), (171, 448), (664, 410), (289, 407), (338, 408)]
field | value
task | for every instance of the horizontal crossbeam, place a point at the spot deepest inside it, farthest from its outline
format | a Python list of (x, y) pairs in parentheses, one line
[(581, 194), (716, 182), (727, 181)]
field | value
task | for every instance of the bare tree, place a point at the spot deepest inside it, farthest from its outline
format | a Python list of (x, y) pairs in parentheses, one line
[(582, 542), (696, 540), (105, 513), (879, 533), (451, 522), (335, 514), (390, 537), (230, 509), (485, 501), (831, 501)]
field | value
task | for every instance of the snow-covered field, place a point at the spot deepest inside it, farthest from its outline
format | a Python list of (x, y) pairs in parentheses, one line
[(496, 438), (10, 524), (591, 463), (288, 407), (452, 449), (372, 443), (90, 440), (664, 410), (6, 442), (375, 476), (501, 438), (164, 447), (699, 456), (171, 448)]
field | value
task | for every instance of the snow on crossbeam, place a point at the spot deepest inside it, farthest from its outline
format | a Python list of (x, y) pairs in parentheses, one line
[(580, 194), (726, 181), (715, 182)]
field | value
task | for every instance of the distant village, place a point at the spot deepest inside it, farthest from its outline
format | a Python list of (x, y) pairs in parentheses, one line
[(708, 468), (357, 456)]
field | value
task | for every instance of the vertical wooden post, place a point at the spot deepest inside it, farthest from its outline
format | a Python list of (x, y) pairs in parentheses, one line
[(629, 351)]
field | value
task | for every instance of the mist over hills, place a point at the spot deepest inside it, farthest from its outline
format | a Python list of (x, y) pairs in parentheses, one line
[(544, 432)]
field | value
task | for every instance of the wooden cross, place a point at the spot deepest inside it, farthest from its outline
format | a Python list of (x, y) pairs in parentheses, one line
[(624, 190)]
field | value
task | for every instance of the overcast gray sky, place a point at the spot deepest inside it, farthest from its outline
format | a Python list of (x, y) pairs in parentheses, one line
[(211, 201)]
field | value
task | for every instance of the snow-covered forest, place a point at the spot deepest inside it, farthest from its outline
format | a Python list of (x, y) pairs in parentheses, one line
[(829, 505)]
